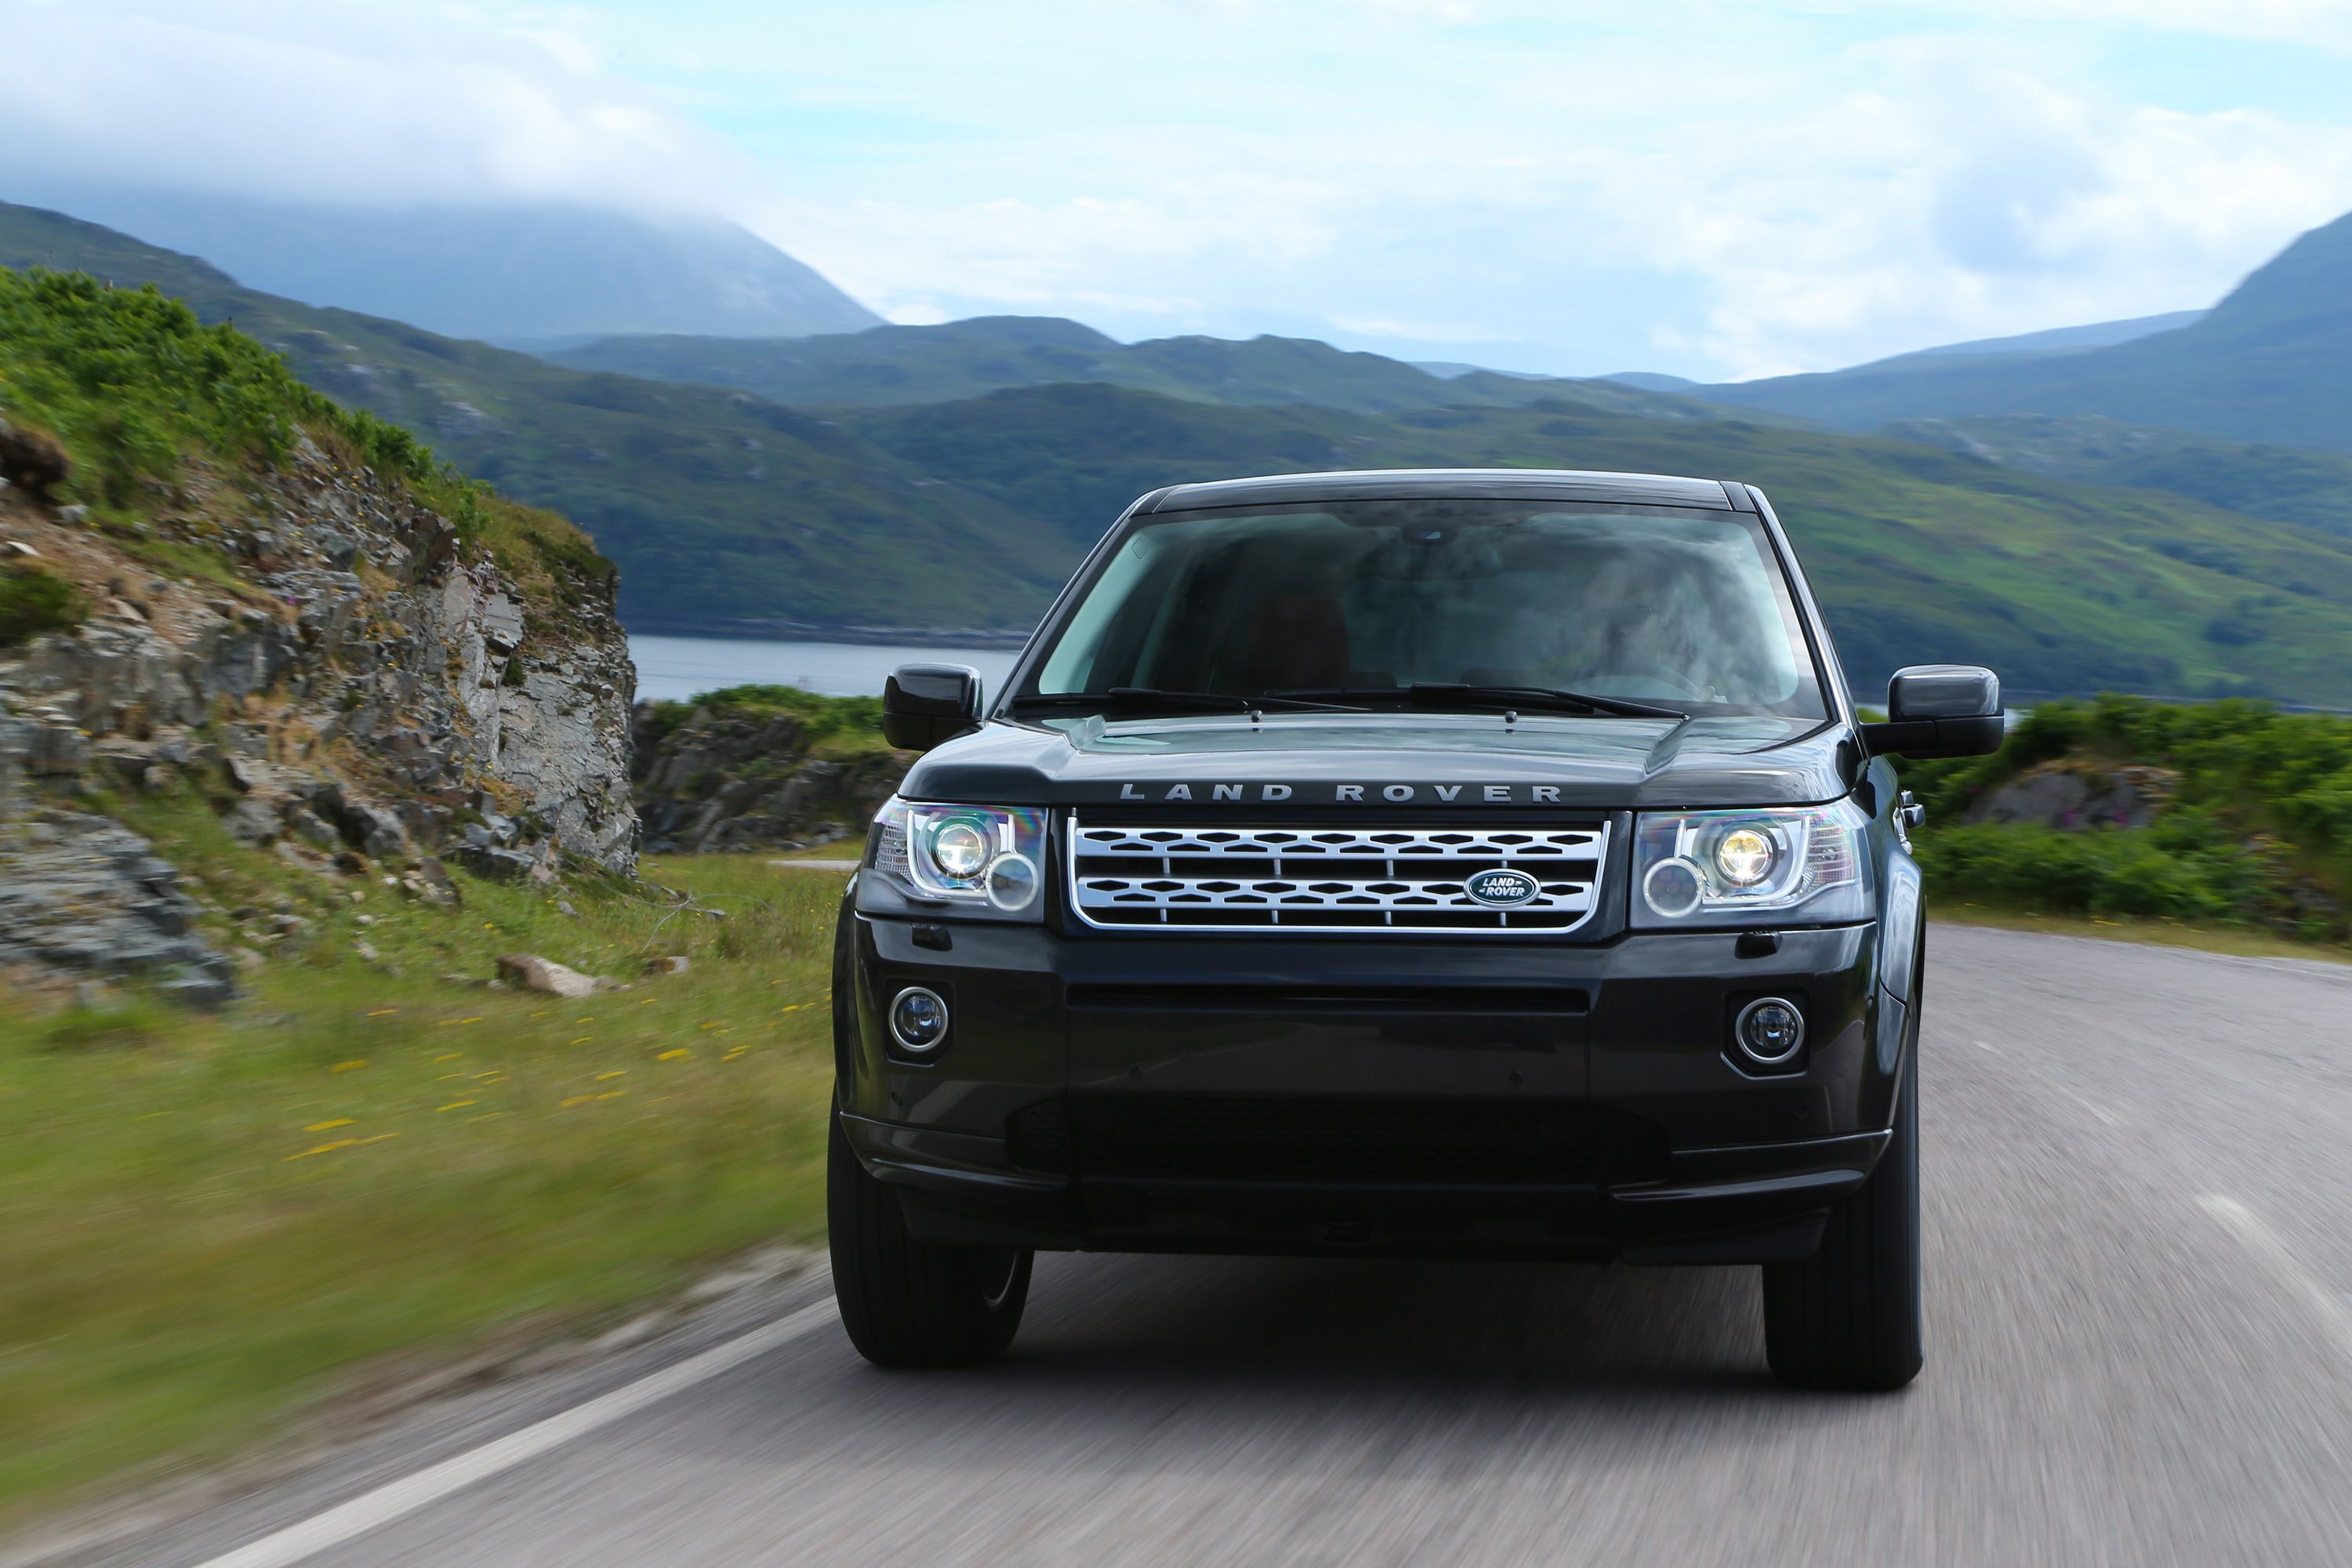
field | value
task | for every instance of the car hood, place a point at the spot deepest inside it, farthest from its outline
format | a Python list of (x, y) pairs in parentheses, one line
[(1411, 760)]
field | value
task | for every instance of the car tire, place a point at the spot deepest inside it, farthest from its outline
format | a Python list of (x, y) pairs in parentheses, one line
[(908, 1302), (1849, 1317)]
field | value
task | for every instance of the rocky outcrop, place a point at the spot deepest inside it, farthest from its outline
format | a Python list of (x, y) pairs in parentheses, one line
[(729, 780), (353, 681), (79, 895), (2076, 792)]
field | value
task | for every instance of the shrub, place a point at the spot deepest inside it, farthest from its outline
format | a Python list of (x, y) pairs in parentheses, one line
[(34, 603), (131, 382), (833, 724), (2260, 815)]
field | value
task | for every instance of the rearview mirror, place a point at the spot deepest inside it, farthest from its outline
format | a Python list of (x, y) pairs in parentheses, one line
[(1939, 710), (924, 704)]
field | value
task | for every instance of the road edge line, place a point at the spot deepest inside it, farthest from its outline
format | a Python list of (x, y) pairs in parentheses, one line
[(396, 1499), (2284, 1267)]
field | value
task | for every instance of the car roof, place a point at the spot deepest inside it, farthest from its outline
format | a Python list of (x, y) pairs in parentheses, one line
[(1455, 484)]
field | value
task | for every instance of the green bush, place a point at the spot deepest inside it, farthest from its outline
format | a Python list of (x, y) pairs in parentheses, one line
[(34, 603), (131, 382), (2260, 818), (832, 723)]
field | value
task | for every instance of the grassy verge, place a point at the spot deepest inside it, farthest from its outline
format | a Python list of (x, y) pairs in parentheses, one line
[(212, 1221), (2156, 930)]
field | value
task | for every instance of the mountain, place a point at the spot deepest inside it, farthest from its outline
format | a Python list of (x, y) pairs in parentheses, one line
[(1917, 554), (2065, 339), (506, 274), (2281, 482), (2266, 364), (725, 511), (1651, 380), (719, 508), (887, 365)]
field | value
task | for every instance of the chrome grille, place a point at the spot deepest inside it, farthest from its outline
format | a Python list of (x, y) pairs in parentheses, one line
[(1320, 879)]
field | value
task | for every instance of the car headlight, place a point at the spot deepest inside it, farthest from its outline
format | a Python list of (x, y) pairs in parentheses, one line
[(1749, 867), (979, 859)]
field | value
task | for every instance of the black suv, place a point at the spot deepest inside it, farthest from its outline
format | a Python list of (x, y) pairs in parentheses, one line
[(1448, 862)]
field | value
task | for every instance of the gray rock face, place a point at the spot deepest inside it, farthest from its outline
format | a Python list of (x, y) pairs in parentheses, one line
[(2070, 793), (392, 686), (722, 782), (79, 893)]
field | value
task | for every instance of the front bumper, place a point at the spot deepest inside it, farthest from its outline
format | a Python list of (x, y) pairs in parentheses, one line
[(1548, 1100)]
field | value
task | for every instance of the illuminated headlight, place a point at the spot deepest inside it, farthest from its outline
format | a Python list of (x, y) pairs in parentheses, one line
[(1751, 867), (987, 859)]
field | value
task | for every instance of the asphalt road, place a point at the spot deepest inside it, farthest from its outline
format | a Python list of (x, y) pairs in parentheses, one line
[(2139, 1247)]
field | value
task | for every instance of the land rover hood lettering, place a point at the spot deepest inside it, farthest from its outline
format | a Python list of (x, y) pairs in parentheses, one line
[(1193, 793)]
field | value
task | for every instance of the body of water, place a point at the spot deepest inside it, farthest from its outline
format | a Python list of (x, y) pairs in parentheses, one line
[(671, 669)]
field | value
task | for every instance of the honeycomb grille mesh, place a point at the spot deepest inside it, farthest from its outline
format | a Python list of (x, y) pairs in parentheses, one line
[(1326, 879)]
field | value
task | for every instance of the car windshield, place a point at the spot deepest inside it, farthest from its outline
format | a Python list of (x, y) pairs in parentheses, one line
[(1682, 608)]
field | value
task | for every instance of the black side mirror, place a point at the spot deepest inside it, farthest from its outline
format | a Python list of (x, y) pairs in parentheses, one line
[(1939, 710), (924, 704)]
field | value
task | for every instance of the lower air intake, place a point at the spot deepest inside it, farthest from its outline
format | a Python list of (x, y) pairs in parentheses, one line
[(1416, 1141)]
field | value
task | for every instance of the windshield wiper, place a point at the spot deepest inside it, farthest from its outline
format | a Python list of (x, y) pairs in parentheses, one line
[(1442, 694), (1119, 696)]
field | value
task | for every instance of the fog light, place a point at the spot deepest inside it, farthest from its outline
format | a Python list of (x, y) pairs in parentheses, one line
[(919, 1020), (1769, 1030)]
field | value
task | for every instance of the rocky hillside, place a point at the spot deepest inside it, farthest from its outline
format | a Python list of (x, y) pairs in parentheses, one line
[(217, 582), (760, 767)]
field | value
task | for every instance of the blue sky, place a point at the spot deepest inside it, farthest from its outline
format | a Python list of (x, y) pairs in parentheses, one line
[(1718, 190)]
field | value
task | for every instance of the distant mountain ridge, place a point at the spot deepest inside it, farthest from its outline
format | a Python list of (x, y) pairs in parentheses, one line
[(894, 365), (728, 512), (719, 507), (2267, 365), (505, 274), (2064, 340)]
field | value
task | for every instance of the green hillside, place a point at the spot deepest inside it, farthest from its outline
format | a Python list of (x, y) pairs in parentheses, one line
[(718, 507), (2266, 364), (1918, 554), (890, 367), (727, 511), (2281, 482)]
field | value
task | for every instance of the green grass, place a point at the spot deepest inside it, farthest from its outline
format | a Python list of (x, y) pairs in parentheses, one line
[(2154, 930), (214, 1221), (134, 382), (34, 603), (833, 726)]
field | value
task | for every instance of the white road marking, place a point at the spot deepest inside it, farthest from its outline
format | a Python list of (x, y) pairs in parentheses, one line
[(2334, 1311), (2079, 1098), (395, 1500), (2093, 1105)]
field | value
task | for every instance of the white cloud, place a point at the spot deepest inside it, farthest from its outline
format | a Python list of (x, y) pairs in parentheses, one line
[(1718, 189), (369, 102), (1738, 199)]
